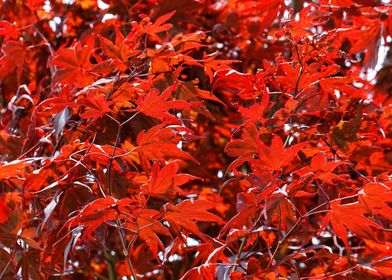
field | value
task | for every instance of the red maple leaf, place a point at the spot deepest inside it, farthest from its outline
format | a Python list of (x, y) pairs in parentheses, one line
[(187, 213), (351, 216), (160, 142), (13, 58), (166, 180), (73, 64), (158, 105), (5, 211)]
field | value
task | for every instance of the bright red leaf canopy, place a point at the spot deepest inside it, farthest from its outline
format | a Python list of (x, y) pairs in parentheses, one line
[(195, 139)]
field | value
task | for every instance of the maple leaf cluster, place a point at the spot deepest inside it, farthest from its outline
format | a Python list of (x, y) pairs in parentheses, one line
[(195, 139)]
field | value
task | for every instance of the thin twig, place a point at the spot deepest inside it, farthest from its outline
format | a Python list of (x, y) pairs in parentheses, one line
[(117, 142), (300, 71), (109, 170), (111, 270), (52, 68), (238, 256), (280, 242), (5, 268), (339, 157), (323, 276), (125, 251), (311, 212)]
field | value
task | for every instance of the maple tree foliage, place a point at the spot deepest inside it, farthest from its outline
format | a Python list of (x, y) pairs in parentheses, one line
[(195, 139)]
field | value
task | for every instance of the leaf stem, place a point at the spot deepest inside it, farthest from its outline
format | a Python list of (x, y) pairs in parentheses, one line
[(125, 251), (111, 160), (238, 256), (284, 239), (117, 142), (339, 157), (300, 71), (111, 270)]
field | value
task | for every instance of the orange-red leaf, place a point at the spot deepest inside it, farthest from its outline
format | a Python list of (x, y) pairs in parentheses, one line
[(73, 64), (5, 211), (13, 56), (187, 213), (166, 180), (100, 211), (378, 198), (158, 105), (160, 142), (351, 216)]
